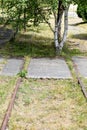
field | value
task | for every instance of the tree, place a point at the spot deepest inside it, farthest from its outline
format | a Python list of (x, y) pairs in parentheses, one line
[(82, 11), (57, 34), (20, 13), (58, 8), (81, 8)]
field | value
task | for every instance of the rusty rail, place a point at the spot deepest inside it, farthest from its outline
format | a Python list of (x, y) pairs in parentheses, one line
[(80, 81), (10, 106), (11, 103)]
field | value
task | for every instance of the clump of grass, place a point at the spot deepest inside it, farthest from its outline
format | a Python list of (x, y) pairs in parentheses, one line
[(23, 73)]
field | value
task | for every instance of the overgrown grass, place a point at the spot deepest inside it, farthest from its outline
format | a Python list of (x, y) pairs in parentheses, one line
[(36, 42), (43, 104), (85, 83), (42, 48), (6, 88), (49, 104)]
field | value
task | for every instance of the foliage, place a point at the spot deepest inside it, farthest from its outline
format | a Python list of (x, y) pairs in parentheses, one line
[(82, 9), (21, 13)]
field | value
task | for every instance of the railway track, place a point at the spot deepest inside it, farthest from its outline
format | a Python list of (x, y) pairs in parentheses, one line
[(80, 82), (11, 103), (10, 106), (17, 85)]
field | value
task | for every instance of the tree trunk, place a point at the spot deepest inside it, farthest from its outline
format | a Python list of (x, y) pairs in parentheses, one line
[(25, 19), (57, 32), (56, 37), (59, 40), (65, 28), (59, 18)]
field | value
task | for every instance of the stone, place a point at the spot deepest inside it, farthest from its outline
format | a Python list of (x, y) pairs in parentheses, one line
[(48, 68), (12, 67), (81, 63)]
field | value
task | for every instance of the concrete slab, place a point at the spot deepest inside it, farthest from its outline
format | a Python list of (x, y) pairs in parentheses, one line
[(48, 68), (12, 68), (81, 63)]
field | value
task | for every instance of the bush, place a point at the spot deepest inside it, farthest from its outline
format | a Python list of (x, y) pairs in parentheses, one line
[(82, 12)]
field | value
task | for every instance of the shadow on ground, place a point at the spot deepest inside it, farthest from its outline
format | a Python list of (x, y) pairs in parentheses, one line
[(80, 36), (76, 24), (29, 45), (34, 45)]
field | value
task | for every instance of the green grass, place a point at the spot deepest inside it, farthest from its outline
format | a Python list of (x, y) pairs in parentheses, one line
[(49, 104), (43, 104), (85, 83), (6, 88), (36, 42), (42, 48)]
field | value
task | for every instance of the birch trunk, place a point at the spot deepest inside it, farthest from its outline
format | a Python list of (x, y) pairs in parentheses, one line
[(59, 27), (59, 18), (57, 32), (65, 28), (56, 37)]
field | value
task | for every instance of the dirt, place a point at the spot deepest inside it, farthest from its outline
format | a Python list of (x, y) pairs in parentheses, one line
[(77, 32)]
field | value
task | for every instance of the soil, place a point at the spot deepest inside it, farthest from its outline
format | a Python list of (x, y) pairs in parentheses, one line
[(77, 32)]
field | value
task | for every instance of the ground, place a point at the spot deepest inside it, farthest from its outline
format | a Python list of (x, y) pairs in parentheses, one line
[(6, 88), (49, 105), (43, 104), (77, 33)]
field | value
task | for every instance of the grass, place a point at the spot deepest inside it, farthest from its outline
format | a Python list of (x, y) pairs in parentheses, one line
[(49, 104), (38, 42), (85, 83), (32, 48), (33, 43), (6, 88), (44, 104)]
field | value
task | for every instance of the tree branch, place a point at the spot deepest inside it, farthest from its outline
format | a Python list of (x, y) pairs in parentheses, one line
[(49, 24)]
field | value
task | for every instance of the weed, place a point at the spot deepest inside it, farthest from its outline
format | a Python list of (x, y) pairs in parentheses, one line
[(23, 73)]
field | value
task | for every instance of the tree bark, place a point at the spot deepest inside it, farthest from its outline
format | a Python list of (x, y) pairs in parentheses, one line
[(25, 19), (65, 28), (56, 37), (59, 18), (59, 40), (57, 32)]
